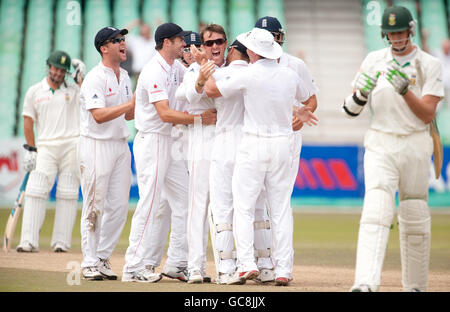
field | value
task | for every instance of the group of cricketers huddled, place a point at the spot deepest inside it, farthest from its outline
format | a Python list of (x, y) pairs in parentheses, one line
[(217, 152)]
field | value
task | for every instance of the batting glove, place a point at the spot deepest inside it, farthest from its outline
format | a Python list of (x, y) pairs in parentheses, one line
[(397, 78), (29, 158), (366, 83), (80, 70)]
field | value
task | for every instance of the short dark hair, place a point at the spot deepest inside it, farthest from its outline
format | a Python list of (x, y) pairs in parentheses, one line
[(160, 44), (213, 28)]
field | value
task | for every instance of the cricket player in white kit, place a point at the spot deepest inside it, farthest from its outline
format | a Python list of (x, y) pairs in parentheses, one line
[(103, 153), (228, 134), (271, 24), (53, 106), (199, 153), (402, 85), (263, 158), (155, 166), (179, 151)]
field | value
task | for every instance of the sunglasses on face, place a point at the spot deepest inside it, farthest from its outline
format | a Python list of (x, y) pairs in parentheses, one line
[(188, 50), (210, 43), (115, 40), (279, 37)]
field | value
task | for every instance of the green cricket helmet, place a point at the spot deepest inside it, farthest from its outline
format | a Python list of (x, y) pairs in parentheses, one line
[(59, 59), (395, 19)]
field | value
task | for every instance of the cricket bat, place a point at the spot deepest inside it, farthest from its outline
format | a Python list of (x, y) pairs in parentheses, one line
[(438, 151), (212, 232), (14, 216)]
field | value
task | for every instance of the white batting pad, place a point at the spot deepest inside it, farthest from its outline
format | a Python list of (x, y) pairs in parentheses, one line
[(415, 228)]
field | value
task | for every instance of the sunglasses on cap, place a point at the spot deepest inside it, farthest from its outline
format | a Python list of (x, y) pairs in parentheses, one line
[(210, 43), (188, 49), (115, 40)]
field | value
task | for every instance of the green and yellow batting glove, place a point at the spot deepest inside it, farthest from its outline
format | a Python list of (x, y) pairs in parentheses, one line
[(366, 83), (397, 78)]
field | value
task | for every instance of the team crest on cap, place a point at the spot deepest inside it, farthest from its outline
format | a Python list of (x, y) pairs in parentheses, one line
[(63, 60), (192, 37), (264, 22), (392, 19)]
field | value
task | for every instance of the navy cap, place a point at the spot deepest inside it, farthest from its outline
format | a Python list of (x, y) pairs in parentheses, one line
[(105, 34), (269, 23), (240, 47), (192, 38), (169, 30)]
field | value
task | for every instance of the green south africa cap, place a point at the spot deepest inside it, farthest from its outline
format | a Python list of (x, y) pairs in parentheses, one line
[(396, 18), (59, 59)]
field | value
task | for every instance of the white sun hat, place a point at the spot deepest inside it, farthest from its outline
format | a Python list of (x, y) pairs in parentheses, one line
[(261, 42)]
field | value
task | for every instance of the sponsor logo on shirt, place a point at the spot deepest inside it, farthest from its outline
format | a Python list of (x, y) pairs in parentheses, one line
[(42, 99), (111, 93), (155, 91)]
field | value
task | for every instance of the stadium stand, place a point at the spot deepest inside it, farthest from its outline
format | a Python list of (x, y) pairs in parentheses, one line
[(155, 12), (97, 14), (38, 40), (327, 34), (11, 23), (242, 17), (68, 28), (371, 18), (213, 11), (434, 22), (124, 13), (184, 13), (270, 8)]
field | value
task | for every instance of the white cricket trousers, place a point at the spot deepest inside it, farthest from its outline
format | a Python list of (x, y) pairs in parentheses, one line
[(395, 162), (263, 162), (105, 167), (170, 199), (156, 173), (201, 139), (57, 158)]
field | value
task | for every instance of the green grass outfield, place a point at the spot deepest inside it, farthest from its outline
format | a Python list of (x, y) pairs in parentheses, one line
[(325, 239)]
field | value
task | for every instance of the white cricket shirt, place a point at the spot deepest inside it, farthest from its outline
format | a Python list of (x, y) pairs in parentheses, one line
[(100, 89), (158, 81), (55, 114), (390, 112), (270, 91), (299, 66), (230, 110)]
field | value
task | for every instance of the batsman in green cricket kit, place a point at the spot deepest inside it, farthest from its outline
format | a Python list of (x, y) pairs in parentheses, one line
[(402, 86), (51, 110)]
